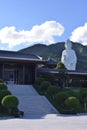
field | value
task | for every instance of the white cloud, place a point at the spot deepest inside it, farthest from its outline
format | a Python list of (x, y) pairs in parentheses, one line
[(39, 33), (80, 34)]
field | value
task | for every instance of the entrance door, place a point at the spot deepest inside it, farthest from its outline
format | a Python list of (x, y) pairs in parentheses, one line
[(8, 73), (9, 76), (29, 74)]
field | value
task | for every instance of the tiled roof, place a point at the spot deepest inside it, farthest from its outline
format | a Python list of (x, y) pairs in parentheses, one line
[(77, 72), (51, 62), (18, 56)]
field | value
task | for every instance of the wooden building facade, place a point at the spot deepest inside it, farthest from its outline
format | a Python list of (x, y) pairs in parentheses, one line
[(18, 68), (64, 78)]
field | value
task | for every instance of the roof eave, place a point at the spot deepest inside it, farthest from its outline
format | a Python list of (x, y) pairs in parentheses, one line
[(22, 60)]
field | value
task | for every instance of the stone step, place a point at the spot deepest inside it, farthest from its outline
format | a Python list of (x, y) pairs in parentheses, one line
[(22, 90), (36, 104), (30, 101)]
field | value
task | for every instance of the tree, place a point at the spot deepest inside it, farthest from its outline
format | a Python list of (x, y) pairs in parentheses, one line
[(60, 66), (64, 79)]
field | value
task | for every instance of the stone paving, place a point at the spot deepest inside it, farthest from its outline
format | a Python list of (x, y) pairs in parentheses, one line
[(45, 122)]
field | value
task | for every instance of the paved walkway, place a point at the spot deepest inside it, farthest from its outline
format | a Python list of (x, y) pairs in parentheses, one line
[(46, 122)]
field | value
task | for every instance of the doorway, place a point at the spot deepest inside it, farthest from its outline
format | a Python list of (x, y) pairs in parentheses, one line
[(8, 73)]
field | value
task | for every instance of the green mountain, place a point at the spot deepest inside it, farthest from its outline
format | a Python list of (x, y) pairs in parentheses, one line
[(54, 51)]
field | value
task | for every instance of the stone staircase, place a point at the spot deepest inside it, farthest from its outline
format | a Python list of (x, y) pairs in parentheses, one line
[(30, 101)]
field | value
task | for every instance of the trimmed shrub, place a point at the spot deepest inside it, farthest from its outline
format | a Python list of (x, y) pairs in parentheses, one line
[(10, 101), (83, 94), (3, 86), (76, 93), (44, 85), (38, 81), (73, 103), (71, 92), (4, 93), (61, 97), (52, 90), (1, 81)]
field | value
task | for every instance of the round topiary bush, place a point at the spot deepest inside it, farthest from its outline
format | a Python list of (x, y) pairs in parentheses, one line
[(38, 81), (61, 97), (52, 90), (44, 85), (3, 86), (72, 103), (4, 93), (10, 101)]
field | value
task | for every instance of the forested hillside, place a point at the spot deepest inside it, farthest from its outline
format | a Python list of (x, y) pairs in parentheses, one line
[(54, 51)]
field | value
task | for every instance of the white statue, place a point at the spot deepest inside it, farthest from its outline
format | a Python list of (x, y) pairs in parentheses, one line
[(69, 58)]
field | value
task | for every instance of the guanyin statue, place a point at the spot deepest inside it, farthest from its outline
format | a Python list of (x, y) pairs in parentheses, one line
[(69, 58)]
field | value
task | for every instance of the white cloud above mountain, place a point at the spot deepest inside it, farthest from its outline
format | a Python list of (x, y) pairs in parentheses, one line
[(80, 34), (39, 33), (44, 33)]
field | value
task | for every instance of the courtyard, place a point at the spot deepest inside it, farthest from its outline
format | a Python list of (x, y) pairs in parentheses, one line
[(45, 122)]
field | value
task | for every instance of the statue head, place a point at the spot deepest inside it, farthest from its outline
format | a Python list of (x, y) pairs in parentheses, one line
[(68, 44)]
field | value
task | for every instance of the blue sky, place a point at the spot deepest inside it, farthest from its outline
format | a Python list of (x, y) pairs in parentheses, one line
[(27, 22)]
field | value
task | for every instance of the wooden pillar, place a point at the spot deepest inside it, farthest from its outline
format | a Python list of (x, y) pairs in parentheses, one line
[(36, 72), (3, 71), (23, 74)]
